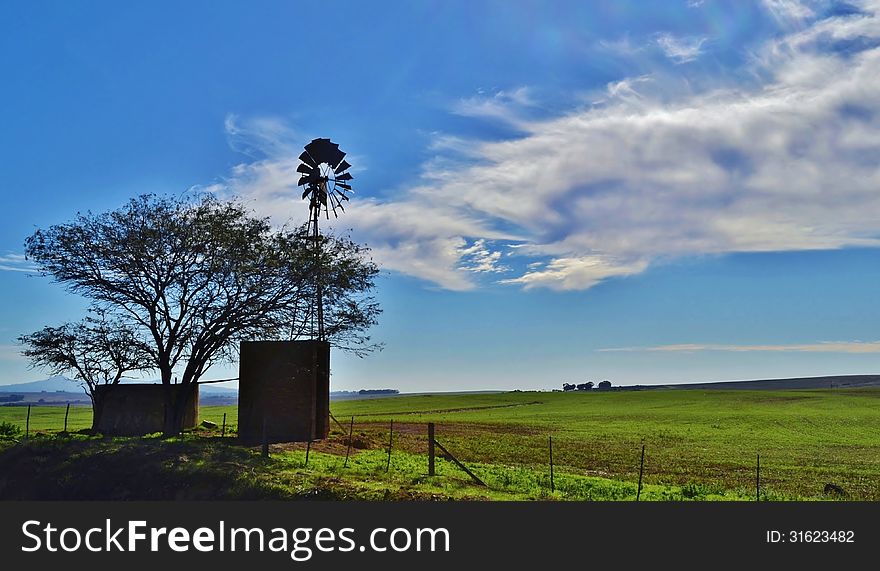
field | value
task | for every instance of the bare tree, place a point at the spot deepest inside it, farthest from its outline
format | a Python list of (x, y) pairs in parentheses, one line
[(96, 352), (193, 276)]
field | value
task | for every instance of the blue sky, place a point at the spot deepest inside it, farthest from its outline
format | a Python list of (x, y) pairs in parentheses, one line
[(557, 191)]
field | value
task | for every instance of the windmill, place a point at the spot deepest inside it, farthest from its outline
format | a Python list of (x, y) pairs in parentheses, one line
[(326, 183)]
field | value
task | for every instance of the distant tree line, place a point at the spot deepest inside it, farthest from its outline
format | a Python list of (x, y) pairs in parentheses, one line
[(587, 386)]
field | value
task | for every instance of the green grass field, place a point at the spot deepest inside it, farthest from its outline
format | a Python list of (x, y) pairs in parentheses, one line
[(699, 445)]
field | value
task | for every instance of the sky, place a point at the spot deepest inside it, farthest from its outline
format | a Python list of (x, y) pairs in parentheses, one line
[(644, 192)]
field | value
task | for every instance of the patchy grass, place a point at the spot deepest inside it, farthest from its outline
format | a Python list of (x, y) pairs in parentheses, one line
[(198, 468), (700, 445)]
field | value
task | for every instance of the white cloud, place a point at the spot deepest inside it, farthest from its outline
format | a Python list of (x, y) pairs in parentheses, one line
[(822, 347), (681, 49), (622, 46), (788, 166), (604, 191), (260, 136), (625, 88), (506, 106), (789, 13), (479, 258), (576, 273)]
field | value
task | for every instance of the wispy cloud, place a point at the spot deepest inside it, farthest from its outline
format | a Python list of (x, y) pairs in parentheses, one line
[(623, 46), (789, 13), (681, 49), (506, 106), (260, 136), (16, 263), (822, 347), (480, 258), (576, 273), (605, 191)]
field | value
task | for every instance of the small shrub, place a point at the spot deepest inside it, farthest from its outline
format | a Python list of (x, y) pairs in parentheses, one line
[(692, 490), (9, 430)]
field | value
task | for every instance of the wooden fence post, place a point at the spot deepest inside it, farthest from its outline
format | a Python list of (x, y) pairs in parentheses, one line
[(223, 430), (390, 441), (66, 414), (308, 449), (552, 484), (758, 480), (348, 450), (430, 448), (641, 471), (27, 423)]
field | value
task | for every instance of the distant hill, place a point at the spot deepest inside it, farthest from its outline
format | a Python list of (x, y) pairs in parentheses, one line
[(64, 389), (63, 384), (835, 381), (50, 385)]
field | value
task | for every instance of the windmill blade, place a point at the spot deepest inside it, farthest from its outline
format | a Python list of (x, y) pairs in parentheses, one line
[(318, 147), (325, 151), (320, 183), (336, 159), (307, 158)]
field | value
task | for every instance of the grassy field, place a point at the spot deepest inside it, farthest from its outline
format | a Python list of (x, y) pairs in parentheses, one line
[(699, 445)]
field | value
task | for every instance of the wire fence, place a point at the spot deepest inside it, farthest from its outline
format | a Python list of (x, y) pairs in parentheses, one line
[(490, 459)]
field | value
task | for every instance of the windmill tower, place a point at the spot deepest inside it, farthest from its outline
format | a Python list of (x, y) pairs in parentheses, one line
[(326, 181)]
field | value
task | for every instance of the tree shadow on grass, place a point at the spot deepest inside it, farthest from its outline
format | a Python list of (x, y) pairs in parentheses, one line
[(139, 469)]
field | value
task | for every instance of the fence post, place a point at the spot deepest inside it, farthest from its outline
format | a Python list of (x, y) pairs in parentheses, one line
[(265, 441), (348, 450), (308, 449), (758, 480), (27, 423), (66, 414), (390, 441), (430, 448), (641, 471), (552, 484), (223, 430)]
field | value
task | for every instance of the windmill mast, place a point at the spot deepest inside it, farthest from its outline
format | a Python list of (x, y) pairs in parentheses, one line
[(319, 288), (326, 184)]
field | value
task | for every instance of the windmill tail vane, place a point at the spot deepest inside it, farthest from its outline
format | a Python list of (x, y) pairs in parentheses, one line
[(327, 184)]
